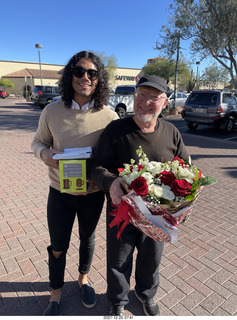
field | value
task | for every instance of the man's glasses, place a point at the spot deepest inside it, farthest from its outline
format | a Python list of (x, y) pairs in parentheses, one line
[(79, 72), (140, 96)]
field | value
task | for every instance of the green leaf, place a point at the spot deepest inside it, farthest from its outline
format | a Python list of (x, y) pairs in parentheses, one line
[(141, 172), (206, 181), (190, 196), (164, 201), (195, 185)]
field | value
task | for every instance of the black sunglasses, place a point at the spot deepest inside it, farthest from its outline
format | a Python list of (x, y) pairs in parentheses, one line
[(79, 72)]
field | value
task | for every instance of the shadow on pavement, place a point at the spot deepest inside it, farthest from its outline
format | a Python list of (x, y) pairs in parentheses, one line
[(31, 298)]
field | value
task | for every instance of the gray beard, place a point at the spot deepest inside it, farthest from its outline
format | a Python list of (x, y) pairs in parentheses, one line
[(147, 118)]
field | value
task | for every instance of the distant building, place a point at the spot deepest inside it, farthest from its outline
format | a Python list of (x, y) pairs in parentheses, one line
[(28, 74)]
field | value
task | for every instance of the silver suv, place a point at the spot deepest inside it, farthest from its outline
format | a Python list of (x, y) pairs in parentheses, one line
[(212, 108)]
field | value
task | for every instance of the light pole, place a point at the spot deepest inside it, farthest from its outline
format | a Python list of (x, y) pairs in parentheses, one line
[(176, 70), (178, 26), (197, 78), (39, 46)]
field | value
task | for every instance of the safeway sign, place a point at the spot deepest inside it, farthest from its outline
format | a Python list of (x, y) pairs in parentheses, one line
[(138, 78)]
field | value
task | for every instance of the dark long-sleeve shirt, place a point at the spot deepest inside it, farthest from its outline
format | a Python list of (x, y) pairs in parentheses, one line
[(120, 140)]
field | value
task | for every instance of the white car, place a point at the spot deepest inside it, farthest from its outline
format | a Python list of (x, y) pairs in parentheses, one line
[(179, 99), (57, 98)]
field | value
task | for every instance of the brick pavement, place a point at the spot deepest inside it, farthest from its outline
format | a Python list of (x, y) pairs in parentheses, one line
[(197, 274)]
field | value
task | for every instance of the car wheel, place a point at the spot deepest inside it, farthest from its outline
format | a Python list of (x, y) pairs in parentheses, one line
[(229, 125), (192, 126), (163, 113), (121, 112)]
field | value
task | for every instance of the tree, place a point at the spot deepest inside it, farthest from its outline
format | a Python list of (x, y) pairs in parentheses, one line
[(161, 67), (110, 63), (214, 74), (191, 82), (111, 67), (27, 91), (212, 27), (5, 83), (165, 68)]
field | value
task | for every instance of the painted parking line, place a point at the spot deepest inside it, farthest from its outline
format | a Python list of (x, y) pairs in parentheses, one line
[(231, 138)]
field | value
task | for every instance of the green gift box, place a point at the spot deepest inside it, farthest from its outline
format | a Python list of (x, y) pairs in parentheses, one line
[(72, 175), (72, 169)]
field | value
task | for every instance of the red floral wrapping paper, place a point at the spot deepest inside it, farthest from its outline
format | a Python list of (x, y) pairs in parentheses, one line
[(161, 225)]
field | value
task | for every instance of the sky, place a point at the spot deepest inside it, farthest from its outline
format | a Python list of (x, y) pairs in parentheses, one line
[(126, 29)]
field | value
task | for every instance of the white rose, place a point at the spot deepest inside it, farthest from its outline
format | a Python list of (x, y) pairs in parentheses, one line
[(185, 173), (168, 193), (154, 167), (148, 177), (158, 191), (131, 177)]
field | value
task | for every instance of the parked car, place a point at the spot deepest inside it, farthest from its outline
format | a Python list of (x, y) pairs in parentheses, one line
[(3, 94), (212, 108), (180, 99), (122, 100), (111, 91), (42, 95), (57, 98), (125, 90)]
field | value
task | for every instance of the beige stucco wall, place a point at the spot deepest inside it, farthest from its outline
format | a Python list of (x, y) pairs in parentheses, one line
[(121, 76), (7, 67)]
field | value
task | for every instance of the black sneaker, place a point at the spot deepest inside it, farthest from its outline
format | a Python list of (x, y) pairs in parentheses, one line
[(116, 310), (150, 307), (52, 309), (88, 296)]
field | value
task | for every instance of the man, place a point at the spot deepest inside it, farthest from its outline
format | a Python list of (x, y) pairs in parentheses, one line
[(160, 141), (74, 122)]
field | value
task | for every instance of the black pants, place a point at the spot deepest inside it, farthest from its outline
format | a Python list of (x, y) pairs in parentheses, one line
[(120, 261), (61, 211)]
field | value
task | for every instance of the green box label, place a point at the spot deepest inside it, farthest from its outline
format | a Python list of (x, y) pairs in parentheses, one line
[(72, 175)]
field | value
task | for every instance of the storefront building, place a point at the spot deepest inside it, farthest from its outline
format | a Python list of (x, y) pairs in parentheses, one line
[(24, 74)]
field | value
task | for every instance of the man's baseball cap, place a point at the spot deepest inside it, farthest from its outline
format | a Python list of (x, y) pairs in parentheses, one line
[(153, 81)]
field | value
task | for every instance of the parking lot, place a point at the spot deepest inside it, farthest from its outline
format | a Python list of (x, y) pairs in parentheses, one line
[(198, 274), (202, 130)]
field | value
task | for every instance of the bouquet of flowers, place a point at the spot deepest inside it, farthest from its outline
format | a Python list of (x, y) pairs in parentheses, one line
[(160, 195)]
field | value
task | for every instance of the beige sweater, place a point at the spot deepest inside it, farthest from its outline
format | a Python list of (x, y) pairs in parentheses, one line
[(61, 128)]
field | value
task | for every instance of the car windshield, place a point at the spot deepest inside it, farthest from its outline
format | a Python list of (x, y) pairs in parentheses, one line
[(125, 90), (36, 89), (169, 94), (203, 98)]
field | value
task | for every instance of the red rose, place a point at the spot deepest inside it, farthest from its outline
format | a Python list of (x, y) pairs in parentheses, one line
[(140, 186), (140, 167), (181, 187), (167, 177)]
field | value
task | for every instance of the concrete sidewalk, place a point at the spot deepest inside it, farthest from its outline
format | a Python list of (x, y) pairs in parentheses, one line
[(198, 274)]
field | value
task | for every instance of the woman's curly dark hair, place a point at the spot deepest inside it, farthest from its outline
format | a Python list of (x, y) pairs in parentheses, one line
[(101, 93)]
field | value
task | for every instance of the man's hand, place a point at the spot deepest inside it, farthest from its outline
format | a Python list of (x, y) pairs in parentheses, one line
[(90, 188), (116, 191), (46, 156)]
